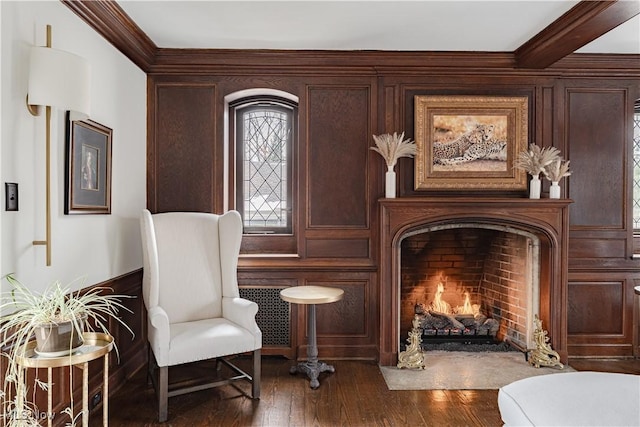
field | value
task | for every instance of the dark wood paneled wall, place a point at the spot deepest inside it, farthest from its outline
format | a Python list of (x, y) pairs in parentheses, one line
[(131, 354), (586, 111), (183, 113)]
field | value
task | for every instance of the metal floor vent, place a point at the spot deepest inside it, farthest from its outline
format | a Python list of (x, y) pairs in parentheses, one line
[(273, 316)]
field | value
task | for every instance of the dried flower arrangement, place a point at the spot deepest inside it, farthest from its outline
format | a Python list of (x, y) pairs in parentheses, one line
[(536, 159), (392, 147), (557, 170)]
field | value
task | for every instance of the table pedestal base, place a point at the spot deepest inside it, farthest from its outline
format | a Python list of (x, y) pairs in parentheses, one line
[(312, 370), (310, 296)]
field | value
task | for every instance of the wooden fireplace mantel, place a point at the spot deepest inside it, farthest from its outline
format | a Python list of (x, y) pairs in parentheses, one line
[(548, 219)]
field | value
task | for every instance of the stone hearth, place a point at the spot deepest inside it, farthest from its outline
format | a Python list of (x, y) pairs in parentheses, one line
[(545, 220)]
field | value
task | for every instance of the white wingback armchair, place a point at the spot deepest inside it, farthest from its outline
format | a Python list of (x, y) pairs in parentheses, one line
[(190, 290)]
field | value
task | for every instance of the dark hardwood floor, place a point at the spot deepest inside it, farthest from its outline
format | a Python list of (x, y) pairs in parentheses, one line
[(355, 395)]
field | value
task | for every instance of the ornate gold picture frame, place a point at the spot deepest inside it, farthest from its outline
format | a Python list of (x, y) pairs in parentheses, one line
[(470, 142)]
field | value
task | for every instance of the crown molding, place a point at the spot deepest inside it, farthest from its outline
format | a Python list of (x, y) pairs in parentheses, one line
[(109, 20)]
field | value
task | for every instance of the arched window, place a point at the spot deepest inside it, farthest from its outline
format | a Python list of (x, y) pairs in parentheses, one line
[(263, 131), (636, 168)]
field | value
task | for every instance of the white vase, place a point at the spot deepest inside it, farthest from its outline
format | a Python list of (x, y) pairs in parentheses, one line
[(390, 184), (534, 187), (554, 190)]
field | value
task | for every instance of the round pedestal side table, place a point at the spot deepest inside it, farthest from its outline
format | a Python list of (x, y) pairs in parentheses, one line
[(96, 345), (310, 296)]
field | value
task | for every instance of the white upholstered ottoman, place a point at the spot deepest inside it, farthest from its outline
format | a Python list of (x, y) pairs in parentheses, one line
[(572, 399)]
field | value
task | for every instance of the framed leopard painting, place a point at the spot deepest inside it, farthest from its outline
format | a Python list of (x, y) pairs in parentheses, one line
[(470, 142)]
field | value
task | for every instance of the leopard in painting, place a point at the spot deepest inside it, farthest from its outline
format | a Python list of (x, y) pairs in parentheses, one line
[(485, 150), (444, 152)]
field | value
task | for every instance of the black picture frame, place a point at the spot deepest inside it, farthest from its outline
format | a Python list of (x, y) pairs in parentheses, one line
[(88, 167)]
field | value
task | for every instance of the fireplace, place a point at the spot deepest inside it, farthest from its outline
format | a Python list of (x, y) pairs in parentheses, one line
[(470, 283), (538, 229)]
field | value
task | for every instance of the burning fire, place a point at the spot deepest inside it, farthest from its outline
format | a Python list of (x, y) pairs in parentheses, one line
[(466, 307), (440, 319), (438, 304), (441, 306)]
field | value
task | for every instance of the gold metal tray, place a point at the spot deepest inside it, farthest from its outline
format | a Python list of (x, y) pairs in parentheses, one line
[(95, 345)]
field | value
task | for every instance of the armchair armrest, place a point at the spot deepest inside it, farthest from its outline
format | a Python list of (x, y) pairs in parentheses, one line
[(159, 334), (241, 311)]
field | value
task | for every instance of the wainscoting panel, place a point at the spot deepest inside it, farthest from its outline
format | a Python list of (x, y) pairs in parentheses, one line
[(338, 248), (600, 314), (343, 327)]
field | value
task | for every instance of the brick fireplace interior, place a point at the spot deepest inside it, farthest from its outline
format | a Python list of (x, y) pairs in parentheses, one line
[(433, 233), (484, 275)]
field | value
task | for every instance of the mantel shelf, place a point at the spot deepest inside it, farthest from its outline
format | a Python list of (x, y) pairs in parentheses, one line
[(475, 201)]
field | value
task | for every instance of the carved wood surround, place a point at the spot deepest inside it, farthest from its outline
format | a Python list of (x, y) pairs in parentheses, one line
[(547, 219)]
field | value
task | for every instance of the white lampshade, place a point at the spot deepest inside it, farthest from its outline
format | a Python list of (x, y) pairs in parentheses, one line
[(59, 79)]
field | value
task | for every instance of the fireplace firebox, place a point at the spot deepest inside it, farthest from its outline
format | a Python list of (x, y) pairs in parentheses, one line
[(470, 283), (448, 284)]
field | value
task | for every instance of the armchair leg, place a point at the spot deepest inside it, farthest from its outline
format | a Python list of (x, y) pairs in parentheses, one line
[(150, 366), (257, 367), (163, 393)]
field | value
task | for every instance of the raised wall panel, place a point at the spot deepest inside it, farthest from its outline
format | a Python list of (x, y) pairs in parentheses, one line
[(597, 248), (600, 314), (182, 148), (591, 305), (339, 133), (337, 248), (345, 327), (346, 317), (596, 133)]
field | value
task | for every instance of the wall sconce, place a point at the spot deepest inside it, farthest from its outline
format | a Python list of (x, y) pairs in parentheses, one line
[(56, 79)]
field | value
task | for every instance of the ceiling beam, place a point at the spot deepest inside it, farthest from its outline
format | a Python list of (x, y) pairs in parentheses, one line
[(582, 24), (108, 19)]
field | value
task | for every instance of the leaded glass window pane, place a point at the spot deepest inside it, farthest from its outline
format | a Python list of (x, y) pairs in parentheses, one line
[(264, 132), (636, 169)]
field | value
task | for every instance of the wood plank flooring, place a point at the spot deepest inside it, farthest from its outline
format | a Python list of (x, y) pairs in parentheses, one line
[(355, 395)]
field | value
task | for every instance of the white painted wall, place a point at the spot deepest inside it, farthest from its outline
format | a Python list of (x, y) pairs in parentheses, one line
[(97, 247)]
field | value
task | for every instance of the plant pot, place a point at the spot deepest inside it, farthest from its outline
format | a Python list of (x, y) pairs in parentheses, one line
[(390, 184), (534, 187), (57, 339), (554, 190)]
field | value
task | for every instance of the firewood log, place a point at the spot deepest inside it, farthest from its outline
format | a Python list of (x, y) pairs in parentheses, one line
[(450, 318)]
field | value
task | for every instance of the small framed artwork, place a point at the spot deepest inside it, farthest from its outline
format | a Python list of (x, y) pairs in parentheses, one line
[(470, 142), (88, 167)]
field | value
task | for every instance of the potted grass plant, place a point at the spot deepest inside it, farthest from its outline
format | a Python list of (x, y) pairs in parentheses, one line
[(554, 173), (391, 148), (535, 161), (56, 319)]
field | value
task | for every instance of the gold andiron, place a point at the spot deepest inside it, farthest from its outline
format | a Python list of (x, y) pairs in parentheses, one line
[(543, 354), (412, 357)]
